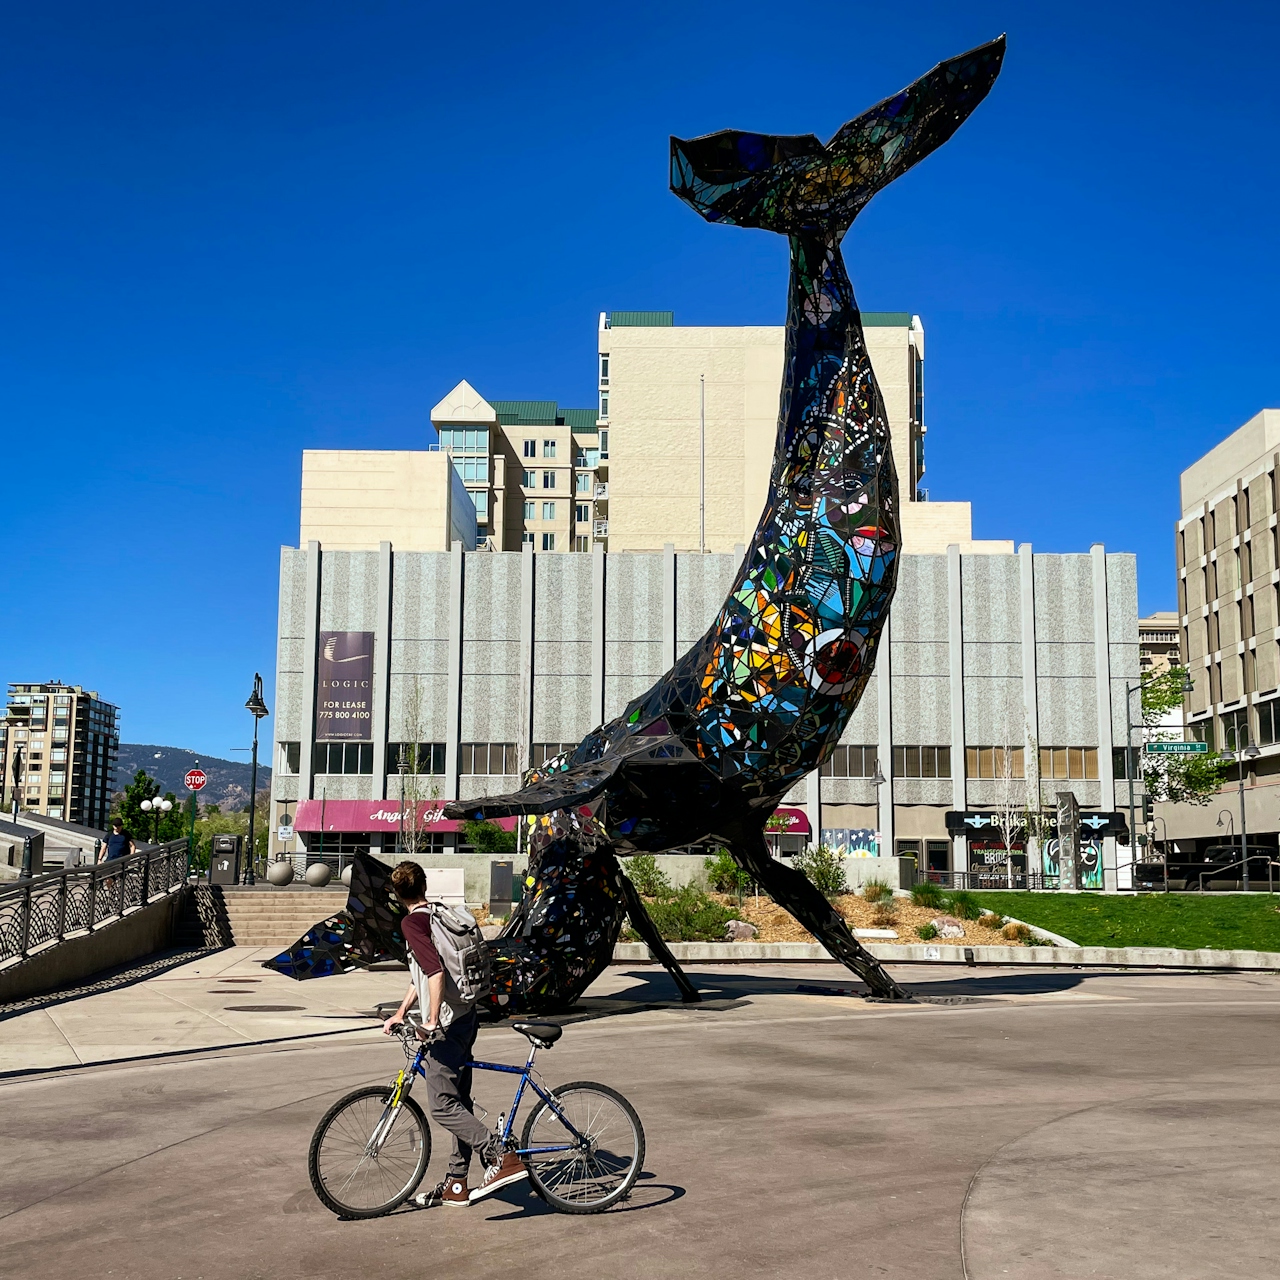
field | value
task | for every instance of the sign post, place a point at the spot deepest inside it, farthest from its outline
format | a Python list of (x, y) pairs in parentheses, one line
[(194, 780)]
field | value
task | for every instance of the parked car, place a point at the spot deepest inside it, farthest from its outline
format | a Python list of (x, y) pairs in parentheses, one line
[(1221, 864)]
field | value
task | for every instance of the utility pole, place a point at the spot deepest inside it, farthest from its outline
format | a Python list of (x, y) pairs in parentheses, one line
[(702, 462)]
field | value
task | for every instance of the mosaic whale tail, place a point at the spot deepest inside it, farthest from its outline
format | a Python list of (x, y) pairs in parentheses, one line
[(761, 700)]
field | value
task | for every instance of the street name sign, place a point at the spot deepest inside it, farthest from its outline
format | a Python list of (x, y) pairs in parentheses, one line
[(195, 779), (1177, 748)]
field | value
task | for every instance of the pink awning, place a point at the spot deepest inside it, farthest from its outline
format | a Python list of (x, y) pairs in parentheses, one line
[(375, 815), (796, 823)]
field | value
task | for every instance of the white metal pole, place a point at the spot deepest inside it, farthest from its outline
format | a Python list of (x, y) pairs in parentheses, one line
[(702, 462)]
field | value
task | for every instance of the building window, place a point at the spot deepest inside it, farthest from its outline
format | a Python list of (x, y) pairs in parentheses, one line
[(1235, 730), (922, 762), (530, 448), (604, 368), (526, 537), (851, 762), (541, 752), (548, 479), (548, 448), (465, 439), (1268, 722), (1080, 763), (582, 513), (289, 758), (991, 762), (488, 758), (548, 542), (1118, 767), (481, 499), (604, 404), (582, 482), (419, 757), (476, 470), (548, 510), (529, 479), (343, 757), (582, 544), (604, 447), (529, 509)]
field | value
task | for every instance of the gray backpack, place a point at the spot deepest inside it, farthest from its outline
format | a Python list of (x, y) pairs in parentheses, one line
[(463, 951)]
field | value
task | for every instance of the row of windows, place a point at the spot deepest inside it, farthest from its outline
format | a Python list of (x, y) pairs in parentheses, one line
[(357, 757), (1236, 731), (418, 757), (342, 757), (472, 470), (541, 752), (548, 541), (980, 762), (529, 479), (531, 448), (465, 439), (487, 757), (581, 511)]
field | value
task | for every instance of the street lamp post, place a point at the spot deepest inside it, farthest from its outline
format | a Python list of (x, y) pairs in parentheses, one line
[(1247, 752), (258, 709), (157, 807)]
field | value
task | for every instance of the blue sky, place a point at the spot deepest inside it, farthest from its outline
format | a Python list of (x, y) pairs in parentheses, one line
[(229, 232)]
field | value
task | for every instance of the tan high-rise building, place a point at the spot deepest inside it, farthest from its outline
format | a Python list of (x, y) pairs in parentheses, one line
[(65, 740), (689, 419)]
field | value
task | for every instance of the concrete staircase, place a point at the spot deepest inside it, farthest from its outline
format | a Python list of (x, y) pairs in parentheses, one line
[(269, 917)]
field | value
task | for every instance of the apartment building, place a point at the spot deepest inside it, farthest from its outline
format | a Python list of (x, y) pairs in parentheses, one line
[(1159, 646), (1228, 551), (531, 468), (689, 420), (64, 741)]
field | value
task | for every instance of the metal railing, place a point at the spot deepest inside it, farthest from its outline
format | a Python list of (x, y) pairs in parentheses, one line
[(50, 907), (996, 878)]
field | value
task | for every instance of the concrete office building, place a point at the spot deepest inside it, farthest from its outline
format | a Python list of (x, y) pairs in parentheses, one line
[(660, 381), (490, 661), (1228, 550), (66, 740)]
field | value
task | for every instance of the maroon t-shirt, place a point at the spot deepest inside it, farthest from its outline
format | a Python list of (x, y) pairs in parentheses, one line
[(417, 933)]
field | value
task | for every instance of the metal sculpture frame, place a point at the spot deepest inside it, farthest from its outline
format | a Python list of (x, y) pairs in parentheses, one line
[(762, 698)]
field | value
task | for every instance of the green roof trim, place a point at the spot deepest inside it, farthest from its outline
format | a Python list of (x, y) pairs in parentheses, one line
[(887, 319), (641, 319), (580, 419), (530, 413)]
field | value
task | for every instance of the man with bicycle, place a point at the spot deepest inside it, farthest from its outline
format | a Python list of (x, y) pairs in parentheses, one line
[(449, 1026)]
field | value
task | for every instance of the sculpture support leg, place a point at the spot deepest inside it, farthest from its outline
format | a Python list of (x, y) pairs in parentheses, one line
[(794, 891), (644, 926)]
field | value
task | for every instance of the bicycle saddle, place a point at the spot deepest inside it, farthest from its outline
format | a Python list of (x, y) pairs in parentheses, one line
[(543, 1034)]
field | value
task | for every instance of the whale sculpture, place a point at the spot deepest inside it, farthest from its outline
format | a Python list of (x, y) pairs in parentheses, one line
[(761, 700)]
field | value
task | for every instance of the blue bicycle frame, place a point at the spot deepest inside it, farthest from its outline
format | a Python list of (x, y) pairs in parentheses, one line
[(526, 1081)]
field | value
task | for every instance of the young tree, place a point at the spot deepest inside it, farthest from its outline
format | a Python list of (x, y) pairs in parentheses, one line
[(415, 781), (1176, 779)]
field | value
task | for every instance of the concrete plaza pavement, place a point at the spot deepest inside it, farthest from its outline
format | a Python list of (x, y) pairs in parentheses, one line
[(1036, 1125)]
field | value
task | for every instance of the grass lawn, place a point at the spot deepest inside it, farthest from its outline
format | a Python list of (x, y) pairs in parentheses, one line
[(1178, 920)]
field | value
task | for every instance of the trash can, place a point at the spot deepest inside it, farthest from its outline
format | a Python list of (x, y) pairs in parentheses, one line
[(501, 876), (224, 865)]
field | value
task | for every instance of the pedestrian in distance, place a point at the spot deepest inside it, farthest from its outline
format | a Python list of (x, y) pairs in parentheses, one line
[(449, 1026)]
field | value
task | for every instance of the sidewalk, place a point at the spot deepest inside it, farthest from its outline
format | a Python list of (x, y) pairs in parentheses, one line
[(216, 1000)]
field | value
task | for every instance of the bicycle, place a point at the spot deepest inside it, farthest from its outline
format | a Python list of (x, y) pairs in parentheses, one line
[(583, 1143)]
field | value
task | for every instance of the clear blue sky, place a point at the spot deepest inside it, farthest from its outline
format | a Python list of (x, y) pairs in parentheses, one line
[(230, 232)]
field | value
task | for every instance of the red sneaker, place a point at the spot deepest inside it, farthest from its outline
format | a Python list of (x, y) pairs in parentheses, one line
[(510, 1170), (452, 1191)]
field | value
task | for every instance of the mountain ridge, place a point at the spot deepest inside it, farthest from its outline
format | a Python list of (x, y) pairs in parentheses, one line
[(228, 785)]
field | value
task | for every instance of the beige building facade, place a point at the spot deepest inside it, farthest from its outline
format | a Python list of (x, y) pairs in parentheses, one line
[(1228, 552), (671, 482)]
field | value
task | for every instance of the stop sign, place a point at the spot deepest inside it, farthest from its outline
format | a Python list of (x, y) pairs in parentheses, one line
[(195, 779)]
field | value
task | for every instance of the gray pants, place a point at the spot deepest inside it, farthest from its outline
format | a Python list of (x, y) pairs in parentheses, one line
[(449, 1096)]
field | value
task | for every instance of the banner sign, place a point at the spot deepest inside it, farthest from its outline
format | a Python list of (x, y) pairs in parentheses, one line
[(986, 824), (344, 686), (378, 815)]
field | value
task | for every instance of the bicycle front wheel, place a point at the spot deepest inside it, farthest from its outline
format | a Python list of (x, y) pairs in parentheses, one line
[(592, 1165), (367, 1157)]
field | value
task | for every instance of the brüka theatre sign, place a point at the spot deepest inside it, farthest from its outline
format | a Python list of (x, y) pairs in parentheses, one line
[(344, 686)]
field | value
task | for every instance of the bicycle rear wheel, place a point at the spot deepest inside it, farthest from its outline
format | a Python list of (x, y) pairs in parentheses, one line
[(599, 1166), (367, 1158)]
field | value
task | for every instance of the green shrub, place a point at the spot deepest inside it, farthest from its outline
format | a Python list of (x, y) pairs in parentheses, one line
[(649, 879), (724, 875), (927, 931), (876, 891), (963, 905), (488, 837), (825, 868), (690, 915), (927, 894)]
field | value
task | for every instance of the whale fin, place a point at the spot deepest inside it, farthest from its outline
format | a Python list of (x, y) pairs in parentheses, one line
[(795, 184), (577, 786)]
